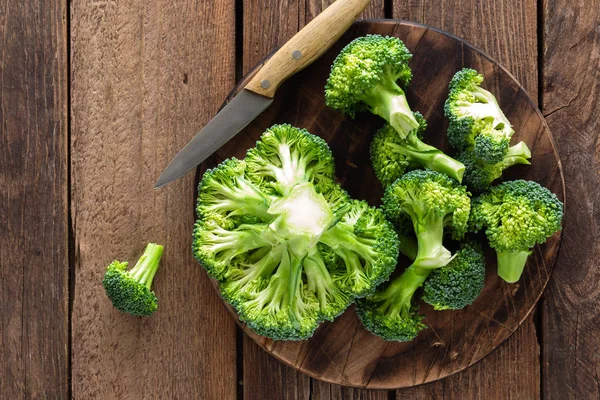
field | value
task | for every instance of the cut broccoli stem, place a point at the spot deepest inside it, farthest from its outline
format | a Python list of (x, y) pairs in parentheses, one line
[(388, 101), (431, 251), (429, 157), (511, 264), (398, 295), (490, 109), (517, 154), (146, 267), (408, 246)]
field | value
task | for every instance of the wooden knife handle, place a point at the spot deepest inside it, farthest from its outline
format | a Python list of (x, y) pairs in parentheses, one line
[(306, 45)]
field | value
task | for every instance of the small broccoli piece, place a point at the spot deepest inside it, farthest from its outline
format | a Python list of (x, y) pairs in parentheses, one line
[(458, 284), (477, 123), (392, 312), (392, 155), (129, 290), (479, 175), (365, 76), (516, 215), (433, 202), (287, 244)]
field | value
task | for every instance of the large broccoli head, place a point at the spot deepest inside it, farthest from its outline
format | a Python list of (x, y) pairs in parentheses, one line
[(271, 228), (516, 215), (476, 121)]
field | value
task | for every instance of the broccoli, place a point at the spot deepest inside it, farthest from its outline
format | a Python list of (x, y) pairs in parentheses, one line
[(516, 215), (479, 175), (392, 155), (369, 74), (129, 290), (458, 284), (433, 202), (286, 243), (476, 121)]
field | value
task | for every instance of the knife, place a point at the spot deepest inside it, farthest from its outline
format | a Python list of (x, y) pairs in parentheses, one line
[(299, 52)]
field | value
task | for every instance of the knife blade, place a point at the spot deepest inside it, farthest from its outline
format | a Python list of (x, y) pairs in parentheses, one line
[(299, 52), (234, 117)]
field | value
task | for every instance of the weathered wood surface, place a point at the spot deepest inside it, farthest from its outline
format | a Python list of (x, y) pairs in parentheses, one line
[(571, 87), (34, 259), (343, 352), (145, 77)]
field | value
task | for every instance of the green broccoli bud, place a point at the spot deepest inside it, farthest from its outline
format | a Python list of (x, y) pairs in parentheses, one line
[(516, 215), (458, 284), (130, 290), (479, 175), (364, 76), (477, 123)]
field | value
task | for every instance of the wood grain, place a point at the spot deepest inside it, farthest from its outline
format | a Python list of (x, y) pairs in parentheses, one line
[(342, 351), (570, 318), (508, 33), (34, 340), (145, 77)]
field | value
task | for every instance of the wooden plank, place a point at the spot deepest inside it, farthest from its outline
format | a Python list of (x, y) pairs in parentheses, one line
[(570, 319), (33, 200), (509, 34), (145, 77), (266, 26), (326, 391)]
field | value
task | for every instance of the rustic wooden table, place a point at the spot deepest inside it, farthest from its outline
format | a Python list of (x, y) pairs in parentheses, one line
[(97, 96)]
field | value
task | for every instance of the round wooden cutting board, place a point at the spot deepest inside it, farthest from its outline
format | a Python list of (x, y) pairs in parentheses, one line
[(343, 352)]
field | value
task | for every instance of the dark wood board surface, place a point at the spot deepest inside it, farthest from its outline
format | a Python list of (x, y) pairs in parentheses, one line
[(343, 352), (34, 258), (184, 57)]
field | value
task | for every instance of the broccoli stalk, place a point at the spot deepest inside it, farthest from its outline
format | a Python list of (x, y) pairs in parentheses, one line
[(516, 215), (391, 154), (511, 264), (369, 74), (433, 202), (130, 290)]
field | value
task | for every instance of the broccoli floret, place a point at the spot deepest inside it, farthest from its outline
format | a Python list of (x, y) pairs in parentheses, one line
[(477, 123), (392, 312), (129, 290), (365, 76), (392, 155), (516, 215), (479, 175), (287, 244), (367, 246), (285, 156), (458, 284), (433, 202)]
